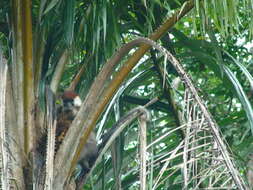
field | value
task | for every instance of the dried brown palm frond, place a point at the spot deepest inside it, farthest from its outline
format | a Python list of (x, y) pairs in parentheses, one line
[(202, 157)]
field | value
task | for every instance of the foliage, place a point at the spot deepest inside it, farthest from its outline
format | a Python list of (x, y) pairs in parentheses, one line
[(207, 41)]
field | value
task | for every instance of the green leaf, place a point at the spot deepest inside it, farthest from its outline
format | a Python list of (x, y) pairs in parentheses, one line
[(241, 95), (243, 69), (68, 21), (50, 6), (104, 18)]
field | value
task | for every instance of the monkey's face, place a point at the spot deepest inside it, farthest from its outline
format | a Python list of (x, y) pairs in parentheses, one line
[(71, 103)]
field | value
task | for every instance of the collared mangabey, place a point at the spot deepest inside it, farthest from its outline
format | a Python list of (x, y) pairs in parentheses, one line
[(66, 113)]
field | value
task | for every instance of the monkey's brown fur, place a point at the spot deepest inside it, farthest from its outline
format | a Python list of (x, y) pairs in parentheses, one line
[(65, 116)]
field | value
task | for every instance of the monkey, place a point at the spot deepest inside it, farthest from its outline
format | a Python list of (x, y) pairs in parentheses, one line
[(66, 113), (87, 158)]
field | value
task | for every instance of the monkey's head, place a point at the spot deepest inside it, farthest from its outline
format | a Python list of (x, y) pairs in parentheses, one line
[(71, 102)]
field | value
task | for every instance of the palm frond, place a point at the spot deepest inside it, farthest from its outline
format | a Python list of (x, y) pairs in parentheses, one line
[(192, 148), (224, 14)]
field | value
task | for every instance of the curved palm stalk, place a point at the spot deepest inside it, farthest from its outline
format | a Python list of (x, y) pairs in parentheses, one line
[(88, 114)]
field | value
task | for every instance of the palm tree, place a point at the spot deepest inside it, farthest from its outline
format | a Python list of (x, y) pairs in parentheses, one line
[(78, 45)]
